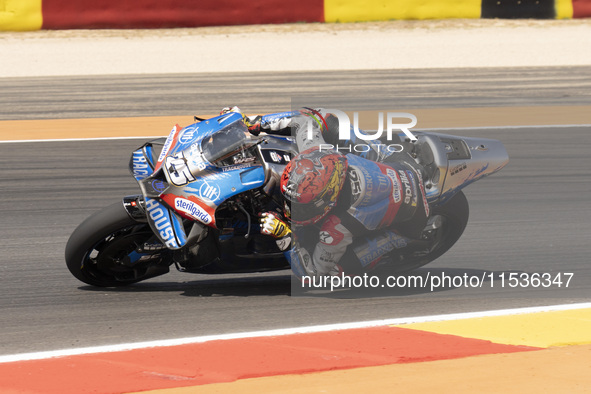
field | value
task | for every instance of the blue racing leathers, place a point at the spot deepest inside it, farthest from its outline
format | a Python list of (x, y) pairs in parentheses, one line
[(381, 207), (379, 201)]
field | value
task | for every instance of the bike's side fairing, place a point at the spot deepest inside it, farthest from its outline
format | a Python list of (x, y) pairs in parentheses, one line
[(182, 183), (166, 224)]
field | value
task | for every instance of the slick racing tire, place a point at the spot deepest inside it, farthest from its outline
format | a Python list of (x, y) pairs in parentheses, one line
[(103, 250), (454, 216)]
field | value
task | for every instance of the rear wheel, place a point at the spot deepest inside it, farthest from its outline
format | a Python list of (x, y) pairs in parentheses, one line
[(110, 249), (452, 218)]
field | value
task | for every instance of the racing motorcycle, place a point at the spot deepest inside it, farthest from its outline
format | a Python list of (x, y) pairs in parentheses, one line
[(203, 187)]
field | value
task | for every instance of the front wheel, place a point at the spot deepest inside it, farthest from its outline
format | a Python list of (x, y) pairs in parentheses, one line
[(112, 249)]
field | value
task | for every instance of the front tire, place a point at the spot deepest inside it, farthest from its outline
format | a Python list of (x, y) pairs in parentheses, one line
[(107, 250)]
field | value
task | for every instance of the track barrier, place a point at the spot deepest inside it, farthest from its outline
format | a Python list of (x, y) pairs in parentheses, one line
[(22, 15)]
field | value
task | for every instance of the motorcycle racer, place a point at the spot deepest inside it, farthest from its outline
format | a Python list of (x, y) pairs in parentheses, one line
[(360, 205)]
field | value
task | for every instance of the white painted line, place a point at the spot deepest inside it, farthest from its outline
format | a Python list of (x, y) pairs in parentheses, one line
[(287, 331)]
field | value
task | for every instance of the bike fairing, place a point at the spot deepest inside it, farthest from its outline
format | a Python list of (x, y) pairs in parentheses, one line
[(234, 174), (202, 180), (371, 214)]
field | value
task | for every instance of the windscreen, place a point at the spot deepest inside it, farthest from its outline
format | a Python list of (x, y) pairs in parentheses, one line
[(229, 146)]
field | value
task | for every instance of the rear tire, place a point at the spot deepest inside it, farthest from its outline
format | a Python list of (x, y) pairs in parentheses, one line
[(102, 250), (455, 213)]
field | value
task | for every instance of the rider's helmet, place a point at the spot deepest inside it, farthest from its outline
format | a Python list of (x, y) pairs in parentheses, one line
[(311, 183)]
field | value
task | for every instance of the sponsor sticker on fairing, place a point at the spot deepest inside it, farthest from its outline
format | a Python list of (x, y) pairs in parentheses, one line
[(192, 209), (187, 136), (159, 186), (177, 170), (140, 165), (161, 220), (236, 167), (209, 191), (168, 144)]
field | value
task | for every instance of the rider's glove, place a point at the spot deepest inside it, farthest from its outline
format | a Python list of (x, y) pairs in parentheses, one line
[(234, 108), (271, 224), (252, 122)]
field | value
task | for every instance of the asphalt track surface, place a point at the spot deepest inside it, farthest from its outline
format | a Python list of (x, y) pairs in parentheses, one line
[(531, 217), (182, 94)]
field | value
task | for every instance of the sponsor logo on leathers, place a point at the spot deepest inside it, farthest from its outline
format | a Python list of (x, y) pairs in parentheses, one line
[(415, 199), (407, 188), (396, 188)]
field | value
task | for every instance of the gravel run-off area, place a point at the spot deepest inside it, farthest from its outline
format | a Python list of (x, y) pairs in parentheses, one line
[(298, 47)]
